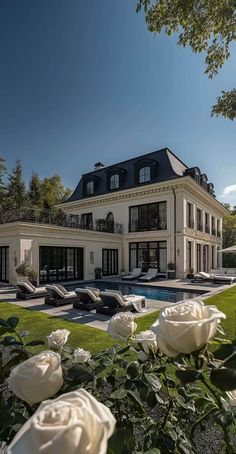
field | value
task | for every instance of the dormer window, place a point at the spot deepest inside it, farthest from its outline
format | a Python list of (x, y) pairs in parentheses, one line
[(90, 188), (144, 174), (114, 182)]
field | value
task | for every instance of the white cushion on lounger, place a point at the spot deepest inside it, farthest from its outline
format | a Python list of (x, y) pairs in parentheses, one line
[(27, 286), (55, 289), (31, 285), (118, 297), (205, 275), (94, 290), (62, 289)]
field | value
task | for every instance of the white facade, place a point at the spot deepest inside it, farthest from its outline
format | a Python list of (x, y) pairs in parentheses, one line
[(191, 241)]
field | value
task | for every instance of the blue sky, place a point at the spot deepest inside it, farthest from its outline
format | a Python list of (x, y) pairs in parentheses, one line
[(83, 81)]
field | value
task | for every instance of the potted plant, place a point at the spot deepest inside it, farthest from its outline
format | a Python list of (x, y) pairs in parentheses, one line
[(98, 272), (122, 272), (190, 273), (171, 270), (22, 270), (32, 275)]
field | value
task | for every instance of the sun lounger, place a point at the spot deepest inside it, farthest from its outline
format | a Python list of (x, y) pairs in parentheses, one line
[(88, 299), (135, 274), (114, 302), (150, 276), (59, 296), (27, 291), (202, 276)]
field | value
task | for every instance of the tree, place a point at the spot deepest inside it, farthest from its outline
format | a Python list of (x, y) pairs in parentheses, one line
[(53, 191), (229, 239), (35, 191), (206, 26), (16, 196), (2, 185)]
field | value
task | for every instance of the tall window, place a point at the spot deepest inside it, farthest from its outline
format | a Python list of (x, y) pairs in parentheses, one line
[(189, 266), (152, 216), (87, 221), (109, 262), (207, 227), (114, 181), (199, 220), (213, 226), (190, 219), (144, 174), (110, 222), (148, 255), (90, 188), (60, 263)]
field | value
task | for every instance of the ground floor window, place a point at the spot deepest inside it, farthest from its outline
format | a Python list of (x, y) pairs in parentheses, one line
[(109, 262), (205, 258), (4, 264), (60, 263), (148, 255), (189, 259), (199, 258)]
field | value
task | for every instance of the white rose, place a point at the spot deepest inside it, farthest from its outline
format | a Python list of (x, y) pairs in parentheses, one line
[(81, 355), (230, 402), (37, 378), (73, 423), (148, 340), (122, 326), (57, 339), (186, 327)]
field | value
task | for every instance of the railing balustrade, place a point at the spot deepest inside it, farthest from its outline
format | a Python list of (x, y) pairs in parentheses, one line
[(58, 218)]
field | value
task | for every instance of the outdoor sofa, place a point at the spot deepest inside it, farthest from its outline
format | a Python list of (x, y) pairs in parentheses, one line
[(59, 296), (114, 302), (88, 299), (135, 274), (27, 291)]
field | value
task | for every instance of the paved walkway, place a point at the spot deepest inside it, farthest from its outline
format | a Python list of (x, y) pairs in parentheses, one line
[(100, 321)]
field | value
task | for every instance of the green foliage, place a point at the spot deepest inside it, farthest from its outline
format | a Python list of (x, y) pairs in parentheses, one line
[(35, 192), (23, 269), (142, 396), (53, 191), (205, 26), (229, 239)]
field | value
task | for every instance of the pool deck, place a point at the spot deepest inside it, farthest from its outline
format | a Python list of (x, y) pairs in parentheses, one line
[(100, 321)]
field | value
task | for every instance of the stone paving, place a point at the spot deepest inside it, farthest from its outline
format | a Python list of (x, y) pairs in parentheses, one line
[(100, 321)]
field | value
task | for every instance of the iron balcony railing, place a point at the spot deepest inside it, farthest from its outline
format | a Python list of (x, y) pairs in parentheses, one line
[(200, 226), (213, 231), (59, 218), (190, 223)]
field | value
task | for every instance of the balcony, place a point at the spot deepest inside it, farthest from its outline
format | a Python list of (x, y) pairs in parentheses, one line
[(199, 226), (138, 226), (207, 228), (190, 223), (60, 219), (213, 231)]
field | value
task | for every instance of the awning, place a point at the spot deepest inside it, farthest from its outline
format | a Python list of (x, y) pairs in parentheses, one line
[(229, 250)]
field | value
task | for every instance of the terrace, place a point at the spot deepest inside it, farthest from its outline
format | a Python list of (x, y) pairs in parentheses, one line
[(59, 218)]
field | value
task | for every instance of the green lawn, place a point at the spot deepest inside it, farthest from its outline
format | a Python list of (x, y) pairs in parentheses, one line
[(40, 325)]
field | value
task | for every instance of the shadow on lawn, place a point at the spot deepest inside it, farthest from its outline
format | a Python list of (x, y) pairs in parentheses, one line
[(224, 351)]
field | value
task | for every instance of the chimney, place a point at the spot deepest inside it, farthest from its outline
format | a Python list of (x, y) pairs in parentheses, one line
[(98, 165)]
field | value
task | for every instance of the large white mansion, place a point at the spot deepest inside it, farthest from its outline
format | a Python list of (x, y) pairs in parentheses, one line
[(144, 212)]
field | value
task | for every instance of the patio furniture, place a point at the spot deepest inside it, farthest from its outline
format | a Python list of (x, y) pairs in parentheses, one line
[(27, 291), (202, 276), (114, 302), (135, 274), (87, 300), (151, 275), (59, 296)]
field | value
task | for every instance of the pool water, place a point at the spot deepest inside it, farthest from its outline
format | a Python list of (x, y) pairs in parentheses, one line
[(152, 293)]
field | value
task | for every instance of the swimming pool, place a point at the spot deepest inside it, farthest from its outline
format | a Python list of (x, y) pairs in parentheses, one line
[(152, 293)]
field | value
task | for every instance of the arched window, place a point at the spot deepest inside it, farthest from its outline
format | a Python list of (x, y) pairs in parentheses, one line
[(114, 181), (144, 174), (110, 222), (90, 187)]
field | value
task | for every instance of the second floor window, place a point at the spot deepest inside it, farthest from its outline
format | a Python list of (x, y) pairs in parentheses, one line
[(144, 174), (114, 181), (90, 188), (87, 221), (207, 227), (199, 219), (190, 219), (213, 226), (148, 217)]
